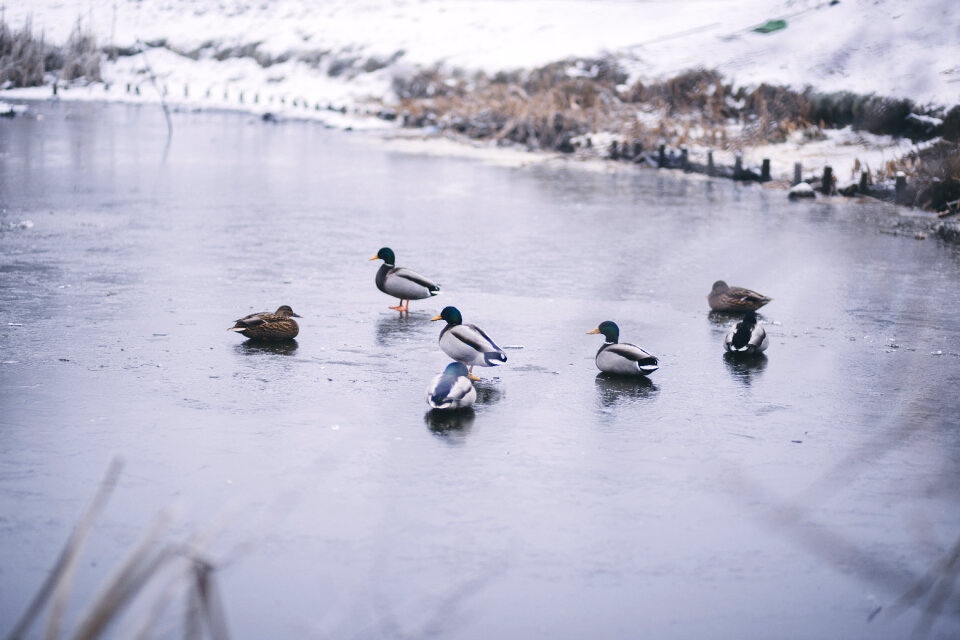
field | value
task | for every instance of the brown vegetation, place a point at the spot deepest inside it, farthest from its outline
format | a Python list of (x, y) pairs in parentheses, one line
[(26, 59), (561, 105), (548, 107)]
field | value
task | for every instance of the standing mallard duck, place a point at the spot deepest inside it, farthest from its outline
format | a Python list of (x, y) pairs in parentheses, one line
[(737, 299), (452, 389), (622, 358), (402, 283), (747, 336), (467, 343), (279, 325)]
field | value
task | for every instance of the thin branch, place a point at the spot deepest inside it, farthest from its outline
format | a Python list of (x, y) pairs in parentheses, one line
[(60, 577), (153, 81)]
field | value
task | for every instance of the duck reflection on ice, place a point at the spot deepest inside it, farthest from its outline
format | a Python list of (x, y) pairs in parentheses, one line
[(488, 393), (613, 390), (283, 348), (744, 367), (724, 319), (394, 327), (450, 426)]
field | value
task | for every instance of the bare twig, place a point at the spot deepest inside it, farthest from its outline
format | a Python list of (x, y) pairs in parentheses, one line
[(153, 81), (139, 567), (58, 581)]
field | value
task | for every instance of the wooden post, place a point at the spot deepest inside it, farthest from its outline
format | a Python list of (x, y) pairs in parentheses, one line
[(241, 97), (900, 188), (863, 183), (684, 158), (256, 98), (136, 89), (797, 174), (128, 87), (54, 88), (710, 168), (765, 170), (826, 185), (637, 148), (662, 156), (737, 167), (186, 91), (614, 151)]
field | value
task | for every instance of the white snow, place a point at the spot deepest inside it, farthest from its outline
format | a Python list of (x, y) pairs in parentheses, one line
[(887, 47)]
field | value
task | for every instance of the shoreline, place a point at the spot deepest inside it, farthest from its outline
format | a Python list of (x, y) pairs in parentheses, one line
[(910, 221)]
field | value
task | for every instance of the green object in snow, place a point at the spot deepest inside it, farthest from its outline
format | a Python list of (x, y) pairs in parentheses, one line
[(770, 26)]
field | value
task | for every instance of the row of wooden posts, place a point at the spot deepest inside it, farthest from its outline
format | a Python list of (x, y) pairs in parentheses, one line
[(828, 183), (662, 160)]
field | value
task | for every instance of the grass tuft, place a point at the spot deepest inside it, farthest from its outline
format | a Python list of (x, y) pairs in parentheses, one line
[(26, 59)]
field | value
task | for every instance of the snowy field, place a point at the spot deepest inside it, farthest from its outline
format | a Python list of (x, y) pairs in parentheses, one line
[(345, 52)]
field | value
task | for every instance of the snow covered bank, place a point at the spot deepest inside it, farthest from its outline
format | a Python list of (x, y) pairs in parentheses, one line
[(332, 60), (887, 47)]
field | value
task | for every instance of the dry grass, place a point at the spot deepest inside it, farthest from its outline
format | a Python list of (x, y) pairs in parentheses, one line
[(561, 105), (26, 59), (155, 558), (22, 56), (549, 107)]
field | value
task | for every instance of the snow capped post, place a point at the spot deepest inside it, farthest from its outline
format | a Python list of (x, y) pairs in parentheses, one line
[(662, 156), (684, 159), (737, 167), (765, 170), (710, 168), (900, 188), (797, 174)]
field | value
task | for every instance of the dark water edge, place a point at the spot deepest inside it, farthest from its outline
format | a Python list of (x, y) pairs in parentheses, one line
[(784, 498)]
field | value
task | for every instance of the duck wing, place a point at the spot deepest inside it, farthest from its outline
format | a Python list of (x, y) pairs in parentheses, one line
[(414, 277), (257, 319), (633, 352), (490, 344), (448, 388), (749, 341), (746, 298), (758, 339)]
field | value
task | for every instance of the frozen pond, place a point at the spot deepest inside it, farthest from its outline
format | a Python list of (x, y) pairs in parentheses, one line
[(789, 499)]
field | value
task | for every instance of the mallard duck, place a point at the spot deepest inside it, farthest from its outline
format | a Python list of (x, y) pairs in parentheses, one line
[(622, 358), (747, 336), (452, 389), (279, 325), (402, 283), (467, 343), (726, 298)]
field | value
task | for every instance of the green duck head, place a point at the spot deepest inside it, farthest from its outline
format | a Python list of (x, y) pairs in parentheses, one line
[(386, 254), (609, 329), (451, 315), (456, 369)]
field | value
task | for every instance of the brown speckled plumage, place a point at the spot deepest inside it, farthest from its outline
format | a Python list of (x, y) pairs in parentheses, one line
[(736, 299), (279, 325)]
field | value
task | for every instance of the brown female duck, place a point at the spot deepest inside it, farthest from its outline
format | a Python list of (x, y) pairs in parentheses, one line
[(737, 299), (279, 325)]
